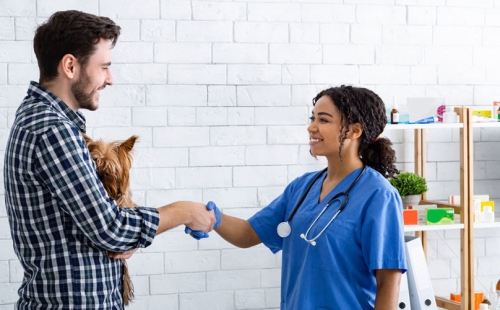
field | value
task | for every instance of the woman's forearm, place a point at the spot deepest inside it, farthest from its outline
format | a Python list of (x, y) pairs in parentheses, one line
[(237, 231)]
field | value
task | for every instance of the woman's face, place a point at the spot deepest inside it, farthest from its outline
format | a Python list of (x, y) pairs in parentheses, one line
[(324, 130)]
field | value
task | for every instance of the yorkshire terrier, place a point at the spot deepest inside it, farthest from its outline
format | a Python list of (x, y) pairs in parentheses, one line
[(113, 161)]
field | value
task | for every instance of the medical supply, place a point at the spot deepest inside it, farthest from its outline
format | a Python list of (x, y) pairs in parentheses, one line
[(498, 288), (421, 211), (478, 298), (439, 216), (440, 112), (496, 110), (483, 113), (410, 217), (427, 120), (488, 216), (484, 306), (455, 297), (449, 116), (455, 199), (489, 203), (394, 112), (493, 297), (284, 229)]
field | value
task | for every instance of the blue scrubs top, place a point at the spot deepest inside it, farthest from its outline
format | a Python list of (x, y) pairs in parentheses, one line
[(337, 273)]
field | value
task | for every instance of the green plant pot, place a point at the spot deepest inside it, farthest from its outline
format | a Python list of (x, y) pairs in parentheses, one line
[(410, 200)]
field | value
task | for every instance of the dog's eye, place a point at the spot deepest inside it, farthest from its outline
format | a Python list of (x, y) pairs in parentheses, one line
[(103, 175)]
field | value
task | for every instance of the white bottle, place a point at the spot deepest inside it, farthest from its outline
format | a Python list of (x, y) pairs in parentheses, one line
[(484, 307), (496, 304), (449, 115), (488, 215), (493, 297)]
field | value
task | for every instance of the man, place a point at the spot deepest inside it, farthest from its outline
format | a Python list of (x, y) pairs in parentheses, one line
[(62, 221)]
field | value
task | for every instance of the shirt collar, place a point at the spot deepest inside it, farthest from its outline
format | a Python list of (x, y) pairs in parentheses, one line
[(41, 93)]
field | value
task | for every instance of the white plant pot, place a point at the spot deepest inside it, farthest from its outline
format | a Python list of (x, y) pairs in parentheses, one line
[(411, 200)]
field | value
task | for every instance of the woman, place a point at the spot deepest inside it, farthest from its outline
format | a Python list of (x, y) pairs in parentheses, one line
[(354, 260)]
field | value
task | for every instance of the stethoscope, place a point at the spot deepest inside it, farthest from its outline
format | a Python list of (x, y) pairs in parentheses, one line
[(284, 229)]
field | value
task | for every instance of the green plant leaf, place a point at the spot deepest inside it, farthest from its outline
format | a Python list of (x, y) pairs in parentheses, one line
[(409, 183)]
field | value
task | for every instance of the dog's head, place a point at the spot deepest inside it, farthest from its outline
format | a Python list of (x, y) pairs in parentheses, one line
[(113, 161)]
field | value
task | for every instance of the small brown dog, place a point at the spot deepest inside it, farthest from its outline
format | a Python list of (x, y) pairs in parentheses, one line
[(113, 161)]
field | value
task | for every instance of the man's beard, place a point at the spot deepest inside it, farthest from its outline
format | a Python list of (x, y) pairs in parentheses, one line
[(84, 100)]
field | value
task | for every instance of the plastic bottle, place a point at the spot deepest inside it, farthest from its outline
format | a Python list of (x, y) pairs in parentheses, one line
[(488, 215), (498, 113), (487, 302), (394, 112), (493, 297), (484, 306), (496, 306), (498, 288), (449, 116)]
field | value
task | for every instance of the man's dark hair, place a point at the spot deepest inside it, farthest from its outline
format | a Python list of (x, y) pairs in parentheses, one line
[(70, 32)]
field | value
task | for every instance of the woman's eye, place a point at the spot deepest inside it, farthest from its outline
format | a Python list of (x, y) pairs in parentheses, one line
[(312, 118)]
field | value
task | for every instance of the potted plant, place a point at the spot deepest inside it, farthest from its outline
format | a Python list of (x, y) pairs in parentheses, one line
[(410, 186)]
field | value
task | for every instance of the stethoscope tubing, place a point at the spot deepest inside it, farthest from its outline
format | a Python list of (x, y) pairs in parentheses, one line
[(286, 225)]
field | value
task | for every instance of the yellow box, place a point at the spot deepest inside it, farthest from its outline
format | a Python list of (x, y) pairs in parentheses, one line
[(482, 113)]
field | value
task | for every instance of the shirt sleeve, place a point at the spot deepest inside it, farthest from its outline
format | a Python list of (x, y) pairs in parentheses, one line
[(383, 232), (66, 168), (266, 221)]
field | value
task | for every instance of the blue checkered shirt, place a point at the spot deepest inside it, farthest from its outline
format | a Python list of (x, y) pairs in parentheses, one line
[(62, 221)]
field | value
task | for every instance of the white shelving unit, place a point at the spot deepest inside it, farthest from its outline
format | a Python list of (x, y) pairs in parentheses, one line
[(410, 228), (463, 210)]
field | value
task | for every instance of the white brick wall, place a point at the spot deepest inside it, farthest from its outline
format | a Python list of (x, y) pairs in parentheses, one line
[(219, 93)]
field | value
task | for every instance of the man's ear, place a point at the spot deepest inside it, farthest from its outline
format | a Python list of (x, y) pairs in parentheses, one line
[(69, 66), (355, 131)]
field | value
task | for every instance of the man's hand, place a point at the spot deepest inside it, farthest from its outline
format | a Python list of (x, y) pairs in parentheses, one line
[(202, 218), (200, 234), (122, 255), (195, 215)]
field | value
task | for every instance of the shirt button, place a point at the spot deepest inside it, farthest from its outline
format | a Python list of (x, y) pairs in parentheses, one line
[(82, 127)]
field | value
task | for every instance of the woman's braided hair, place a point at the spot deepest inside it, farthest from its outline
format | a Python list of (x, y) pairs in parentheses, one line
[(361, 105)]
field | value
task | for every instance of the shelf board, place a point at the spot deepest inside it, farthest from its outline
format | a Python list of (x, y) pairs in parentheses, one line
[(424, 126), (409, 228), (486, 125), (496, 224)]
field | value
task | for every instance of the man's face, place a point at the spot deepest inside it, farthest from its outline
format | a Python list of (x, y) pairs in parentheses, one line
[(93, 77)]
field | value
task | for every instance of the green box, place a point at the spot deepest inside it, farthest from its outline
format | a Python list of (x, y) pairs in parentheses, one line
[(439, 216)]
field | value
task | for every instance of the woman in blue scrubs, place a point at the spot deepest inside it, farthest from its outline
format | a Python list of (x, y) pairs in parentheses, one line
[(354, 261)]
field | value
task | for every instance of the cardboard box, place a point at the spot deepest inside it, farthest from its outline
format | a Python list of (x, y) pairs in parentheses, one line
[(439, 216)]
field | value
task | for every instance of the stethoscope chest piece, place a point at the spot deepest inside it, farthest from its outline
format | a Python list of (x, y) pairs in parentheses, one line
[(284, 229)]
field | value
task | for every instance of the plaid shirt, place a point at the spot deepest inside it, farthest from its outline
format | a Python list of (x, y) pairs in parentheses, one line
[(62, 221)]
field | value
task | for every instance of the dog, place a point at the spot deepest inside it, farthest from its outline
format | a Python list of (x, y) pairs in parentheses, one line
[(113, 161)]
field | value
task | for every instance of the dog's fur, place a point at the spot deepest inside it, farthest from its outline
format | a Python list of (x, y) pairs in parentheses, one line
[(113, 161)]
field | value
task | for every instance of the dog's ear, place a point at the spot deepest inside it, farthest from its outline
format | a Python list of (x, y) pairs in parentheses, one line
[(87, 139), (128, 144)]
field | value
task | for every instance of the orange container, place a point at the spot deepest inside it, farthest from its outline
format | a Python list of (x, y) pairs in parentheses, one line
[(410, 217), (478, 298), (455, 297)]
